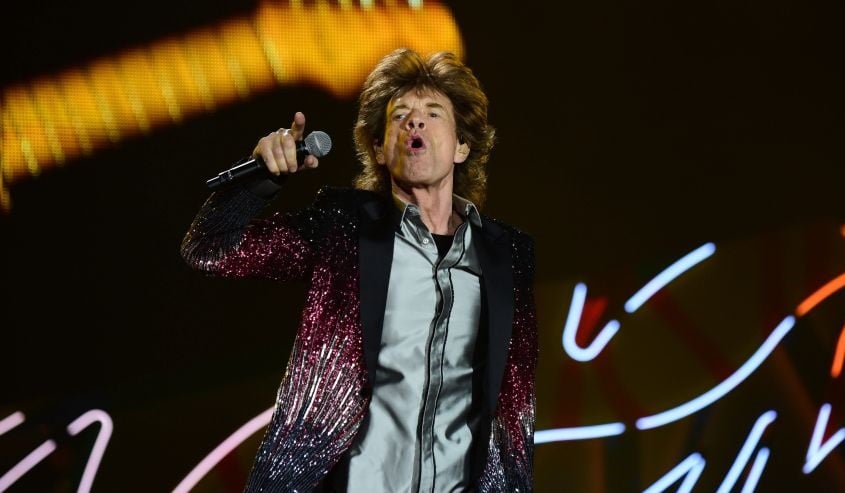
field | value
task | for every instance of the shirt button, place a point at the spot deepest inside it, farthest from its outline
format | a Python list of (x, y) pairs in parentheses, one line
[(425, 241)]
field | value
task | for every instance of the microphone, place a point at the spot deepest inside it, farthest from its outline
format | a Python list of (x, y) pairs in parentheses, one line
[(317, 143)]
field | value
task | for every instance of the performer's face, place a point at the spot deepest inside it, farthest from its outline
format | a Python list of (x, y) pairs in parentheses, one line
[(420, 146)]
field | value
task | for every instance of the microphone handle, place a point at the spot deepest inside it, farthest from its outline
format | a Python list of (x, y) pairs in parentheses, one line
[(252, 169)]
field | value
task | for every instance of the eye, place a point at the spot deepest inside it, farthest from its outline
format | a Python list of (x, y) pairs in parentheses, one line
[(398, 116), (434, 115)]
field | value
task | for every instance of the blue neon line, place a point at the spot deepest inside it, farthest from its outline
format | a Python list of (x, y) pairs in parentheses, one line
[(570, 329), (692, 467), (725, 386), (745, 452), (576, 307), (668, 275), (756, 471), (817, 450), (578, 433)]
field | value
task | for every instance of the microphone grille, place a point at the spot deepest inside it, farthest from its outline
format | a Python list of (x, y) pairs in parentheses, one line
[(318, 143)]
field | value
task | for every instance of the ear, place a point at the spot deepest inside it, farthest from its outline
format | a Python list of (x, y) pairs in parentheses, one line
[(379, 152), (461, 152)]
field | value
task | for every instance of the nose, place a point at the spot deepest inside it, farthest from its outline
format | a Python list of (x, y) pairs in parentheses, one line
[(414, 121)]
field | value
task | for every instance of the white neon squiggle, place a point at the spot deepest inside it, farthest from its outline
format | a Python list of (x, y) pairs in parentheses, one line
[(745, 452), (723, 387), (100, 444), (222, 450), (668, 275), (691, 467), (570, 329), (26, 464), (578, 433), (11, 421), (756, 471), (817, 450)]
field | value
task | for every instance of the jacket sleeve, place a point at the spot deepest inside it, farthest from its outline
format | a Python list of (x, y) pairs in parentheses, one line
[(510, 460), (225, 238)]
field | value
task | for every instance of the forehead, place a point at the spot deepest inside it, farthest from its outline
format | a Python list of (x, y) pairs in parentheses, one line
[(420, 96)]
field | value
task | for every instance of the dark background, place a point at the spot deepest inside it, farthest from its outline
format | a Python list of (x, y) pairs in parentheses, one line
[(629, 133)]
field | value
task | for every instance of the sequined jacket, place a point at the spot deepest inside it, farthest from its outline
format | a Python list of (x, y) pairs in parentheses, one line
[(342, 245)]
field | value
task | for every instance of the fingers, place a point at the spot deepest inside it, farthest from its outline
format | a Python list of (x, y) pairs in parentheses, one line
[(278, 149), (298, 126), (311, 162)]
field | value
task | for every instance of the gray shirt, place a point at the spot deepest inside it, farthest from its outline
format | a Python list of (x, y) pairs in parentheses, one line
[(419, 430)]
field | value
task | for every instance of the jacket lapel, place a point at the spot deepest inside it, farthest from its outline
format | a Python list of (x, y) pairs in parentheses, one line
[(494, 252), (375, 255)]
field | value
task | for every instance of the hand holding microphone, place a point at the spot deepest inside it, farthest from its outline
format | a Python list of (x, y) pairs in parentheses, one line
[(280, 153)]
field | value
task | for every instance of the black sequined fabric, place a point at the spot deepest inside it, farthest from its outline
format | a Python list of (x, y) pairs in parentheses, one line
[(322, 398)]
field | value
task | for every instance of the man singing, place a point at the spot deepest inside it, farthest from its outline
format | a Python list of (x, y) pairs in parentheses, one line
[(413, 366)]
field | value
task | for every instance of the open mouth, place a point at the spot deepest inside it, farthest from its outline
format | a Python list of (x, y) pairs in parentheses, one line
[(415, 143)]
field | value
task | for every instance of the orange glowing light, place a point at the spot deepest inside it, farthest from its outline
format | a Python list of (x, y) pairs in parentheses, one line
[(47, 122), (839, 356), (822, 293)]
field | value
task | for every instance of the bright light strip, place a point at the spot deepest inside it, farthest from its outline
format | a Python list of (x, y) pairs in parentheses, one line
[(207, 464), (817, 450), (692, 467), (747, 449), (99, 449), (57, 118), (668, 275), (820, 294), (578, 433), (838, 357), (26, 464), (725, 386), (756, 471), (570, 329), (11, 421)]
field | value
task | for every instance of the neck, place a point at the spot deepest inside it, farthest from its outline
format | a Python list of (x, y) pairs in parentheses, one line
[(435, 207)]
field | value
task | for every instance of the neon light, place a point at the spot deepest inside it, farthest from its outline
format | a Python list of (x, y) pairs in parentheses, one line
[(822, 293), (668, 275), (725, 386), (570, 329), (818, 449), (122, 95), (756, 471), (222, 450), (745, 452), (11, 421), (578, 433), (691, 467), (26, 464), (100, 444), (838, 357)]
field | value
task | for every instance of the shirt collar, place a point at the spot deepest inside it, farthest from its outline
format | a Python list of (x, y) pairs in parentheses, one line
[(466, 209)]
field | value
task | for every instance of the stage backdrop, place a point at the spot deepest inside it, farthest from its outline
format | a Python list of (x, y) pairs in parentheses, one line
[(679, 165)]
